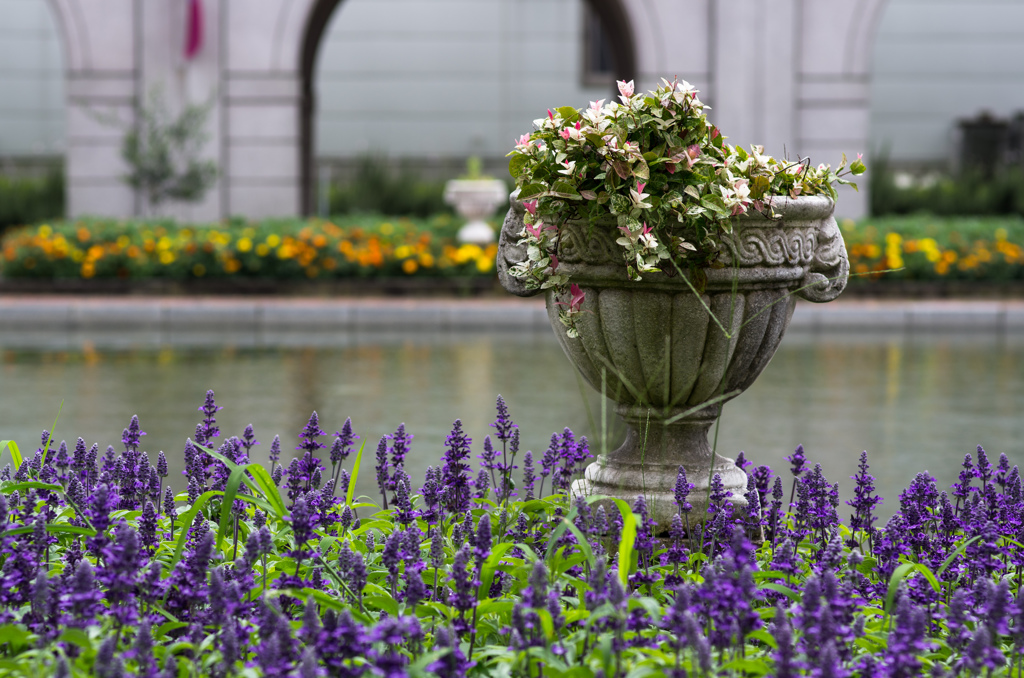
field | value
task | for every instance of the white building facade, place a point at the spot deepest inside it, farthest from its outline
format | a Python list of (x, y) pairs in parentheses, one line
[(291, 81)]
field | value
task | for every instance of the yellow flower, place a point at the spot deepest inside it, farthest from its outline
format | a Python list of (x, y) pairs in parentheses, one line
[(273, 240), (244, 244), (386, 228), (123, 241), (263, 249), (45, 230), (166, 257), (409, 266)]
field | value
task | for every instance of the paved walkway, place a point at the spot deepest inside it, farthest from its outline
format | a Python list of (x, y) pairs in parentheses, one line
[(77, 313)]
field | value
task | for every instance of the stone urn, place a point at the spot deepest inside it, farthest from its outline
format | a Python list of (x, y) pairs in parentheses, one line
[(657, 352), (475, 200)]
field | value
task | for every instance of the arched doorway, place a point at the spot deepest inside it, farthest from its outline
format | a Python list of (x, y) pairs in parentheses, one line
[(615, 33)]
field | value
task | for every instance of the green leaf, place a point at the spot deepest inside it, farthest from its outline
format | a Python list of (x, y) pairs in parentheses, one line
[(490, 566), (355, 474), (563, 189), (15, 452), (30, 484), (260, 483), (517, 164), (784, 590), (952, 556), (898, 575), (54, 529), (626, 544), (185, 520), (230, 490), (49, 440), (568, 114), (14, 634), (530, 190)]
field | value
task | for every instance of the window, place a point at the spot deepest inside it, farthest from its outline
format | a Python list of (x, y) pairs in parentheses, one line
[(598, 62)]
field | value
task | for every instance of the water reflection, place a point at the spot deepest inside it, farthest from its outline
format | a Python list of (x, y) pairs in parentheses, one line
[(913, 401)]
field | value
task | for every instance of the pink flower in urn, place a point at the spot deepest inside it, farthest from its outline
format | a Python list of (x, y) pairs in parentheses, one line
[(535, 229), (576, 297), (551, 116), (554, 262), (565, 134), (625, 89), (640, 187), (531, 206), (524, 140)]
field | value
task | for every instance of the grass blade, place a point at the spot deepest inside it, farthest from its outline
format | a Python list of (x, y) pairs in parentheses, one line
[(49, 440), (15, 452), (355, 475)]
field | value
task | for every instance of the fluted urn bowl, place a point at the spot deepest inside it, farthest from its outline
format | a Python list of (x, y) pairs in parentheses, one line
[(670, 357)]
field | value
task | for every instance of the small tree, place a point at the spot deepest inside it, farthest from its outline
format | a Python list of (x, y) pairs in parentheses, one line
[(163, 153)]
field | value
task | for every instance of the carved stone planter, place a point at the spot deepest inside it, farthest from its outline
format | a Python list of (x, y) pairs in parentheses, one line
[(663, 359)]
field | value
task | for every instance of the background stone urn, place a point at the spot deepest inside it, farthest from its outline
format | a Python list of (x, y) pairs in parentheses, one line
[(662, 357), (475, 200)]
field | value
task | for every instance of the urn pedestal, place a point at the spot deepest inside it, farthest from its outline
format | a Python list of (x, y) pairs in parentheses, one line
[(670, 357)]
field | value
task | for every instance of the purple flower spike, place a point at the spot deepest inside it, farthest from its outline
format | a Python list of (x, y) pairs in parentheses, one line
[(343, 442), (503, 424), (797, 461), (455, 473), (865, 497), (383, 476), (207, 430), (682, 491), (309, 435), (130, 436)]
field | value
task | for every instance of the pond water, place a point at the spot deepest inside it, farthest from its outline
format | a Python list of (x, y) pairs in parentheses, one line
[(914, 401)]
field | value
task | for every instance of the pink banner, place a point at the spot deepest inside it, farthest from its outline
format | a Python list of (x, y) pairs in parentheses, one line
[(193, 29)]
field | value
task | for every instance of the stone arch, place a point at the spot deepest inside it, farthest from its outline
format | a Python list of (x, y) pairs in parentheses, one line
[(860, 38), (613, 15)]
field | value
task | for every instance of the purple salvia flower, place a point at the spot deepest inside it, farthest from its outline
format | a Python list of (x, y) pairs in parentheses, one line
[(452, 664), (529, 478), (742, 462), (399, 448), (132, 434), (249, 439), (308, 437), (275, 452), (345, 440), (786, 664), (865, 498), (207, 430), (984, 467), (383, 471), (403, 505), (482, 485), (503, 425), (482, 540), (717, 494), (455, 473), (147, 527), (548, 463), (464, 585)]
